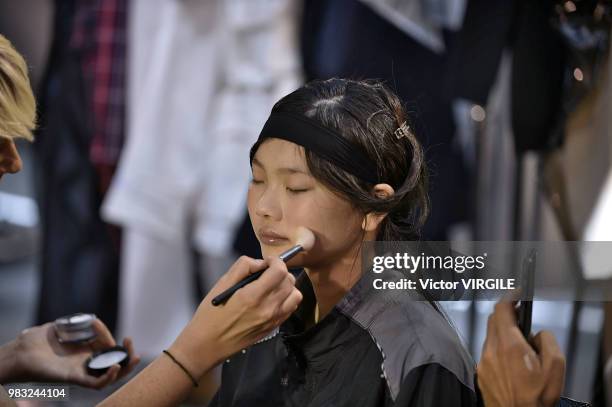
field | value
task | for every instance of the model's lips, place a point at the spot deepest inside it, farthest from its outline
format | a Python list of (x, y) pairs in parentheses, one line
[(269, 237)]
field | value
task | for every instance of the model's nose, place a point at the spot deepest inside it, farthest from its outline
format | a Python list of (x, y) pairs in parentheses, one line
[(10, 161)]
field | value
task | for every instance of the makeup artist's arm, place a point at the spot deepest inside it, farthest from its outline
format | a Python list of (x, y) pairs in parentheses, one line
[(215, 333), (510, 372), (37, 355)]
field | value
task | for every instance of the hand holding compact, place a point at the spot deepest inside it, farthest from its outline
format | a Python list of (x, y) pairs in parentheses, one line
[(41, 357)]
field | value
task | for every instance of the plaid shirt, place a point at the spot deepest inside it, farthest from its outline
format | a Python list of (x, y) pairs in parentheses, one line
[(99, 34)]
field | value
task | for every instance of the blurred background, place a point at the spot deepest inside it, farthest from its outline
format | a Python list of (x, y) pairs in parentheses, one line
[(131, 202)]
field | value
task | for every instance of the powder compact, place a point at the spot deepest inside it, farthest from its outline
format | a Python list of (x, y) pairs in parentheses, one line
[(75, 328), (101, 361)]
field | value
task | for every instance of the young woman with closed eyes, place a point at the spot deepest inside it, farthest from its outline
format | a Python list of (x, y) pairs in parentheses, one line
[(338, 157)]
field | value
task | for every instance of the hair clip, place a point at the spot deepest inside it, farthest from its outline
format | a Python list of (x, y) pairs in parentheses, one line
[(402, 131)]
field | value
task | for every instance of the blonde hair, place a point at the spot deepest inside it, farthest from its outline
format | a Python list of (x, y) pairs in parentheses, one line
[(17, 103)]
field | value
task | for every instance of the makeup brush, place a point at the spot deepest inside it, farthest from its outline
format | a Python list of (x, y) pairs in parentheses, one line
[(305, 241)]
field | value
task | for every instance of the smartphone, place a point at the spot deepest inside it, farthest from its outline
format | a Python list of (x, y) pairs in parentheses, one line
[(524, 307)]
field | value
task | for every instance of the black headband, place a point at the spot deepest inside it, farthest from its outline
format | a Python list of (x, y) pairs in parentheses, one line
[(322, 141)]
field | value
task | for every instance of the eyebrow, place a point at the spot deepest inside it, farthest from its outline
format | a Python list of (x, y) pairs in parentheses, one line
[(290, 170)]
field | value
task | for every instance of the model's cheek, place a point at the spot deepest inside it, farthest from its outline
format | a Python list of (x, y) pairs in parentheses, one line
[(251, 201), (300, 216)]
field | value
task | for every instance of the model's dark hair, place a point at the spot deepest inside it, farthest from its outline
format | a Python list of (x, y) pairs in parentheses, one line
[(367, 113)]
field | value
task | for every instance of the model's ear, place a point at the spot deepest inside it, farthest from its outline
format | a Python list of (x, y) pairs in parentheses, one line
[(372, 220)]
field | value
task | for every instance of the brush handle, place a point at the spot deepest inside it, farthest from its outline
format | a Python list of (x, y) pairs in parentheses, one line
[(289, 254), (226, 295)]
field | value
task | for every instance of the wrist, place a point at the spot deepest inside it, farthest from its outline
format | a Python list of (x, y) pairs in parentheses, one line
[(196, 351)]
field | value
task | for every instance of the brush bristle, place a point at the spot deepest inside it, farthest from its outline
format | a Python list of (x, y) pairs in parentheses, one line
[(305, 238)]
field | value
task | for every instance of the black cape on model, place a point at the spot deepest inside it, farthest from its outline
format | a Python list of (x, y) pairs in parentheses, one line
[(375, 348)]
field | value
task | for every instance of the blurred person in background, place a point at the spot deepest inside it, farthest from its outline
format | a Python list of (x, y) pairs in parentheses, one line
[(81, 123)]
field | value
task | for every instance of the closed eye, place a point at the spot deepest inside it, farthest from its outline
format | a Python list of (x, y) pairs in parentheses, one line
[(297, 191)]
